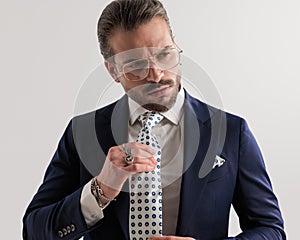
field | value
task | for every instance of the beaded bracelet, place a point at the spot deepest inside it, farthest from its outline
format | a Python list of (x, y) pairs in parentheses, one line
[(98, 193)]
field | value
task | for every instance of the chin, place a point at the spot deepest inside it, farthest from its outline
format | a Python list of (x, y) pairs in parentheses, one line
[(156, 107), (160, 105)]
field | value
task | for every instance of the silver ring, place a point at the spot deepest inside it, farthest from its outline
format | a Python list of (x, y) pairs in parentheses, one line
[(129, 158)]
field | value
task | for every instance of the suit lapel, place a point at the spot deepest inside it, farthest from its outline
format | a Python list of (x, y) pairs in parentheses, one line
[(119, 121), (119, 133), (119, 127), (193, 151), (112, 130), (200, 149), (112, 124)]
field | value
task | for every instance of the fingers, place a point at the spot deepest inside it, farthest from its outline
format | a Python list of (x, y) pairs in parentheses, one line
[(142, 160), (143, 157), (138, 168), (118, 157), (140, 150), (142, 165), (116, 170)]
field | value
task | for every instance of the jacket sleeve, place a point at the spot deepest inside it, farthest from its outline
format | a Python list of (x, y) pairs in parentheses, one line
[(55, 211), (254, 200)]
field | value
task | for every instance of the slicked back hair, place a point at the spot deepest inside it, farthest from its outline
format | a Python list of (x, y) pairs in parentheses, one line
[(127, 15)]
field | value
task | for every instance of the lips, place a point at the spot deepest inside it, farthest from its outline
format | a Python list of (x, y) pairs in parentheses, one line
[(158, 92)]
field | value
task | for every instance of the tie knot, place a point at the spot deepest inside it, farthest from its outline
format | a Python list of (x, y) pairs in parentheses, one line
[(150, 119)]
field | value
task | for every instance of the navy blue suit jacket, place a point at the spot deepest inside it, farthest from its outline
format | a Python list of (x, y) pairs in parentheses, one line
[(206, 195)]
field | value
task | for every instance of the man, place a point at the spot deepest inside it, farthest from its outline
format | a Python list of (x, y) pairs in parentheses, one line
[(172, 166)]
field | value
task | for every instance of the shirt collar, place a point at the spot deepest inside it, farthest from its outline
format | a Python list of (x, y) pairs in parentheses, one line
[(173, 115)]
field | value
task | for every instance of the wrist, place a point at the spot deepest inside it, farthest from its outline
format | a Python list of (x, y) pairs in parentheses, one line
[(112, 178)]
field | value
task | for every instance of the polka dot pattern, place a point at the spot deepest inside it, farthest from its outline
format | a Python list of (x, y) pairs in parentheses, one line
[(145, 217)]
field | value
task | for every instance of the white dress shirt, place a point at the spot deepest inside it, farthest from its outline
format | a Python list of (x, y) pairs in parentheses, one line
[(169, 133)]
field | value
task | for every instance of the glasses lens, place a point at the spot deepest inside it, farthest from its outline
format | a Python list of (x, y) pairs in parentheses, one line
[(136, 70), (167, 59)]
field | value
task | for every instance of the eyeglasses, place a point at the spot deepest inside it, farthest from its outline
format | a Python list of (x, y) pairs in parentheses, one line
[(165, 59)]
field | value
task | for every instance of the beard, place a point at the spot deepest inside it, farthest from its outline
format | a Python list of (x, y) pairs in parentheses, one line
[(150, 95)]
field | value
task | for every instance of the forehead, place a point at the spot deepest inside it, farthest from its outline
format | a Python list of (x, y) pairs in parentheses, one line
[(154, 34)]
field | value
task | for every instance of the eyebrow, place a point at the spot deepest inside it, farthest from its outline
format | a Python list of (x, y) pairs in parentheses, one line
[(135, 59), (131, 60), (168, 46)]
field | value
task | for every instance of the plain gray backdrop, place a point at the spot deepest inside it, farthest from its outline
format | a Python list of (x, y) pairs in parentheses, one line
[(250, 49)]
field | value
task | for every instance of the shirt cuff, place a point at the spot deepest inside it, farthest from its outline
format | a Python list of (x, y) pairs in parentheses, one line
[(89, 207)]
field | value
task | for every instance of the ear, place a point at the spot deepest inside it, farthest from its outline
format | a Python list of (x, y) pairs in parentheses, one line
[(111, 68)]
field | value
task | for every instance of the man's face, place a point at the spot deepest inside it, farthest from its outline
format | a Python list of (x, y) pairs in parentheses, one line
[(147, 64)]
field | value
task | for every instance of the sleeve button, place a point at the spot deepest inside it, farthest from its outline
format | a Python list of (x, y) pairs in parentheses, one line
[(65, 231), (68, 229), (73, 227), (60, 234)]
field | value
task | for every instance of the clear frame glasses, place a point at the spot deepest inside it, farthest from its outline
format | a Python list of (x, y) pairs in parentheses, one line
[(164, 59)]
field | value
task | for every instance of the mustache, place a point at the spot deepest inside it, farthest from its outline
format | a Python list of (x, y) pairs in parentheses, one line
[(152, 86)]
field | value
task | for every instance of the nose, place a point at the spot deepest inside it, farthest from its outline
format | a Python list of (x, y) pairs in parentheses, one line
[(155, 74)]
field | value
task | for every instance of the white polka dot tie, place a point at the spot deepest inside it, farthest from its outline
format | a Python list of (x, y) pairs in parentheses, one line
[(145, 217)]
